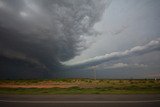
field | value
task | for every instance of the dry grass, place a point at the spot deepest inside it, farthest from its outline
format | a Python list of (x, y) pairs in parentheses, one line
[(82, 83), (79, 86)]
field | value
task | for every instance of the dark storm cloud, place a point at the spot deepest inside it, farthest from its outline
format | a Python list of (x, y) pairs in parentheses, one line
[(44, 32)]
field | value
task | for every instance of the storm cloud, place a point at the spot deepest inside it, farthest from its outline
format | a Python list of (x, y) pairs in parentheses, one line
[(44, 32), (153, 45), (62, 38)]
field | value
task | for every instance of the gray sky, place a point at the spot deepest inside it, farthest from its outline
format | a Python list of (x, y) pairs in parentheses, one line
[(66, 38), (125, 25)]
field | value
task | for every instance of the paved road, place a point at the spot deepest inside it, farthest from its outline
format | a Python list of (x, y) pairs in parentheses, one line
[(79, 100)]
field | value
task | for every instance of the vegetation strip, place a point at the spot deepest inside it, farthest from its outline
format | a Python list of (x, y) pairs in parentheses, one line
[(80, 86)]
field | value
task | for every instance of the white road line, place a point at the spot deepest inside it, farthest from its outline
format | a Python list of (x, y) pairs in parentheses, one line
[(18, 101)]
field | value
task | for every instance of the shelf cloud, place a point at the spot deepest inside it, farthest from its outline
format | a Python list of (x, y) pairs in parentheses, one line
[(138, 50)]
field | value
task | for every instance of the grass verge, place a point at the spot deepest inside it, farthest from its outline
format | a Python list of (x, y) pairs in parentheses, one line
[(38, 91)]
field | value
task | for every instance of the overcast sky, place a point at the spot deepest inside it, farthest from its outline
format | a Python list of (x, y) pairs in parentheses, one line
[(68, 38)]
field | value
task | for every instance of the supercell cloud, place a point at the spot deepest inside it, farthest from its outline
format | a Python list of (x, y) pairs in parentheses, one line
[(50, 38), (42, 33)]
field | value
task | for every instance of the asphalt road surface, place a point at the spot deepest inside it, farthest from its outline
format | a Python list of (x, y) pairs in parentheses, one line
[(80, 100)]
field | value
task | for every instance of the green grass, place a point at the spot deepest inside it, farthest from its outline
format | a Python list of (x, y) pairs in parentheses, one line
[(87, 86), (76, 91)]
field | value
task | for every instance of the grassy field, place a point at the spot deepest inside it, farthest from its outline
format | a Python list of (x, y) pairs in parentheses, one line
[(79, 86)]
